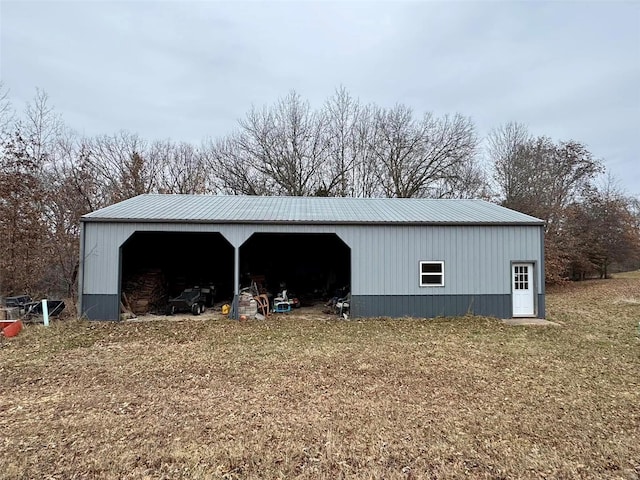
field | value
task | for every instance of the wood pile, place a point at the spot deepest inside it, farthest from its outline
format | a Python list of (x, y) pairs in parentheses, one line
[(144, 292)]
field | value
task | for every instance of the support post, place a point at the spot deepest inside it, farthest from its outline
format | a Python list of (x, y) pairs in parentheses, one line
[(236, 283), (45, 312)]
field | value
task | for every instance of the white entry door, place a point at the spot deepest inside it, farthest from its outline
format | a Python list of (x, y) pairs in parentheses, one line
[(522, 289)]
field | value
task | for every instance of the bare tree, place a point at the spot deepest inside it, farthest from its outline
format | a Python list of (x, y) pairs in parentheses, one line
[(71, 191), (536, 175), (77, 166), (347, 150), (184, 168), (7, 113), (232, 172), (285, 144), (415, 156), (467, 180), (503, 145), (546, 177), (123, 166), (42, 127), (349, 168), (365, 169)]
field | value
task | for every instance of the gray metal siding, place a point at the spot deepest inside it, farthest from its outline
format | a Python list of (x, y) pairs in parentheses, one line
[(541, 268), (542, 306), (103, 241), (101, 307), (429, 306), (81, 268), (385, 259), (101, 257)]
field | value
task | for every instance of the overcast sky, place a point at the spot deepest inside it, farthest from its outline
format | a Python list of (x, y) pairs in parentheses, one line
[(189, 70)]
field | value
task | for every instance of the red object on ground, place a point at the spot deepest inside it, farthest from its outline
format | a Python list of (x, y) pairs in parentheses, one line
[(13, 329)]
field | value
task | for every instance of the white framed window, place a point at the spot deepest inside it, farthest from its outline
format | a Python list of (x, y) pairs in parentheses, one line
[(432, 274)]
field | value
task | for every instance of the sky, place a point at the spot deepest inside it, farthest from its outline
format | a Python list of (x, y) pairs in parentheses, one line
[(189, 70)]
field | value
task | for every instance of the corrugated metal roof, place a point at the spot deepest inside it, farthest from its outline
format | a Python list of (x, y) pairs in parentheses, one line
[(332, 210)]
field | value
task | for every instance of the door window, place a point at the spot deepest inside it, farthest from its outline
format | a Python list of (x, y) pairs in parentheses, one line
[(521, 277)]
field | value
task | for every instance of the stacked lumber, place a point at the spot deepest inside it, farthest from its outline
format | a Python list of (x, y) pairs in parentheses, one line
[(144, 292)]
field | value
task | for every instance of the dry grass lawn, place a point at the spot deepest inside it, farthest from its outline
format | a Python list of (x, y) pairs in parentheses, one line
[(306, 398)]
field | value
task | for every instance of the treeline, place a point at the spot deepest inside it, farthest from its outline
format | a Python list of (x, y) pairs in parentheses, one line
[(591, 227), (50, 176)]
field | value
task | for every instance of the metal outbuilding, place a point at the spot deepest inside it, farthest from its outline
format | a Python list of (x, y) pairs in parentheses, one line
[(400, 257)]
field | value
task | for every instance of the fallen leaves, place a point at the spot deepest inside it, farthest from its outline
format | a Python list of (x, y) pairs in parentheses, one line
[(298, 397)]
